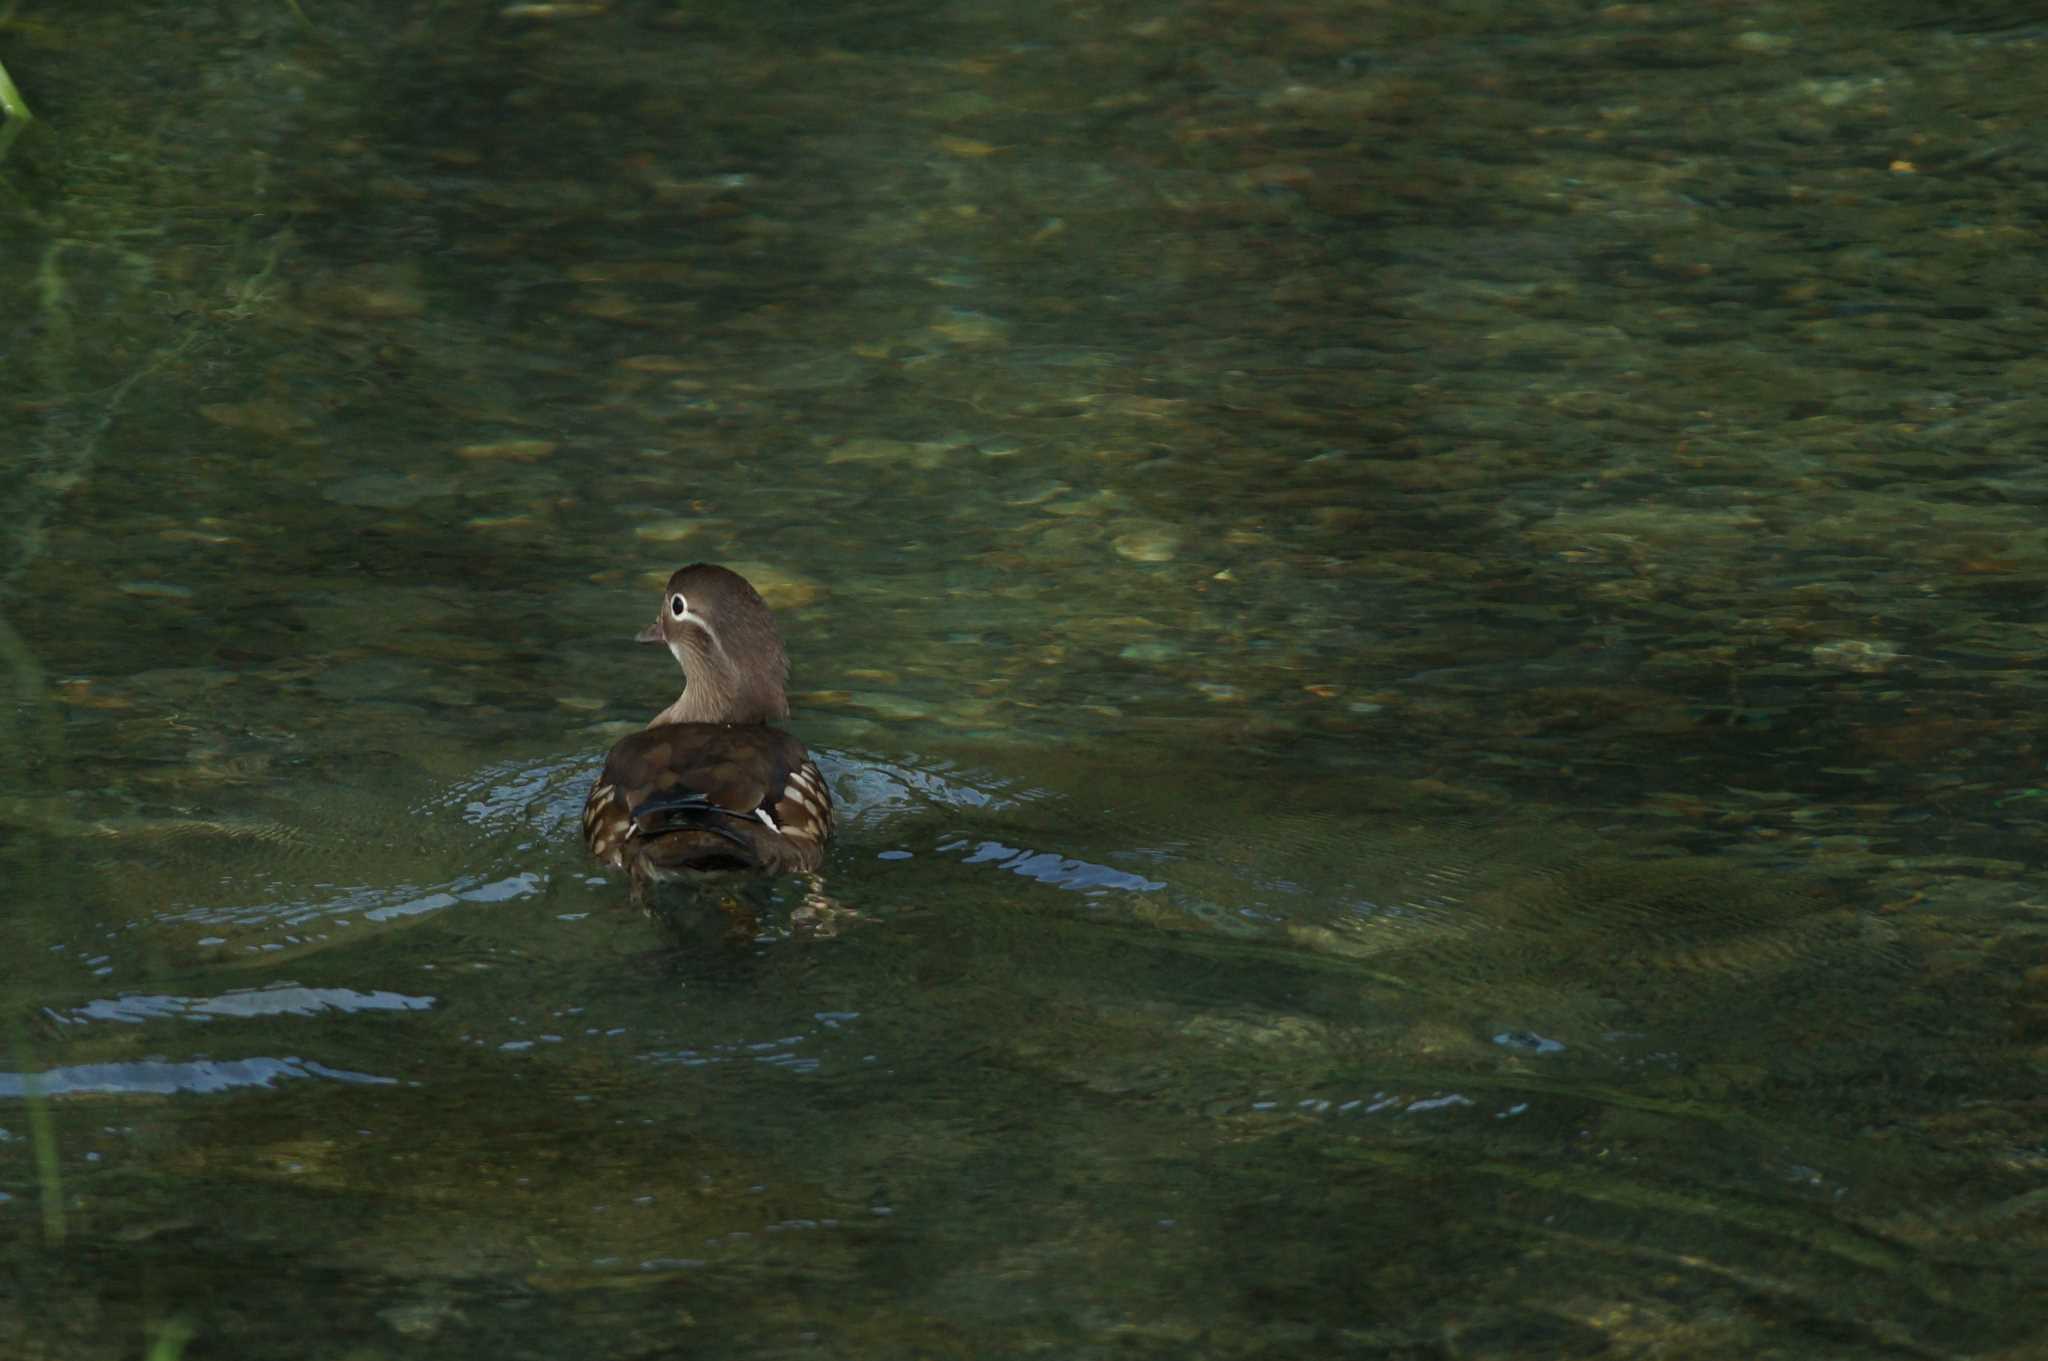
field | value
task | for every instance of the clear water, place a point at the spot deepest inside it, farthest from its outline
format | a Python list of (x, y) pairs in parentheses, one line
[(1424, 620)]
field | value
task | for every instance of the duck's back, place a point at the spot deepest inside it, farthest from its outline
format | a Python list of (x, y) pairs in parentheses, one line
[(678, 799)]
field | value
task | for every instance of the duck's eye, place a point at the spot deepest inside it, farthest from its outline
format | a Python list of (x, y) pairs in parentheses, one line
[(677, 606)]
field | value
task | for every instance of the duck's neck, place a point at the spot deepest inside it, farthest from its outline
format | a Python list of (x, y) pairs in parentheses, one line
[(712, 697), (697, 704)]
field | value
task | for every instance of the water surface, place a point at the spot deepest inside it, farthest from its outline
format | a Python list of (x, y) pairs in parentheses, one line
[(1424, 620)]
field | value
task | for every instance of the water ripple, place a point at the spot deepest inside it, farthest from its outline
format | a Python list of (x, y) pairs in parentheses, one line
[(159, 1077), (283, 1000)]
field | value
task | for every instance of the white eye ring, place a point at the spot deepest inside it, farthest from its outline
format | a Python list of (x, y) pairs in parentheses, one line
[(677, 606)]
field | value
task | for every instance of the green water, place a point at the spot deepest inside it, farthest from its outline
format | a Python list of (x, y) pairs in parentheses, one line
[(1424, 620)]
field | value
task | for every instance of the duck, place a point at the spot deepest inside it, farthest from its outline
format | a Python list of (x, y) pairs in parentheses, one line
[(709, 786)]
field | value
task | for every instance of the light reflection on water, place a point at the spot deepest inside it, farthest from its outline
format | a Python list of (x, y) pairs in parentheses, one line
[(348, 904), (1355, 593), (161, 1077), (1050, 867), (276, 1000)]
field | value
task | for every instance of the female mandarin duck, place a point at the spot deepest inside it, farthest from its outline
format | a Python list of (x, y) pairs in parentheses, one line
[(707, 785)]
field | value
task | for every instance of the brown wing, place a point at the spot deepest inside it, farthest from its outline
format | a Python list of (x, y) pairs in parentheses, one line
[(700, 796)]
